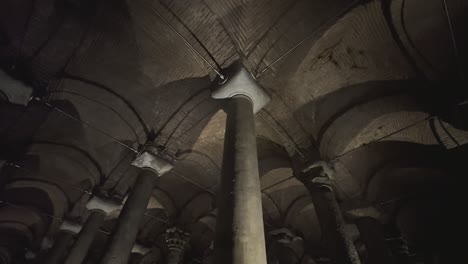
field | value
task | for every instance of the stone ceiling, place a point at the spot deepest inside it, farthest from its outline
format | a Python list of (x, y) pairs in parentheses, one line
[(137, 70)]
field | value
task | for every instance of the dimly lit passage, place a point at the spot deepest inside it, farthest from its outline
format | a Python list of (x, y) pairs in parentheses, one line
[(232, 131)]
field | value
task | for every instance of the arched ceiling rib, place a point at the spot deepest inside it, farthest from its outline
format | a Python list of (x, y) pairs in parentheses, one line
[(131, 76)]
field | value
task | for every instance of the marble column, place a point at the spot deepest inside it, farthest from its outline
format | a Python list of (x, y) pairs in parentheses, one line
[(98, 209), (62, 242), (240, 234), (338, 242), (151, 165)]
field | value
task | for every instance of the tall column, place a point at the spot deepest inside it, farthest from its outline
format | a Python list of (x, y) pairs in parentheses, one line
[(340, 246), (125, 234), (176, 241), (98, 208), (240, 237), (57, 252), (62, 242)]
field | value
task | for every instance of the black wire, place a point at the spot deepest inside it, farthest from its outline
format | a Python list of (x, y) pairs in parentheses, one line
[(117, 182), (381, 138), (171, 135), (148, 132), (447, 132), (228, 33), (44, 44), (104, 105), (410, 39), (75, 50), (387, 13), (213, 59), (189, 129), (273, 25), (288, 136), (435, 133), (3, 95), (28, 24)]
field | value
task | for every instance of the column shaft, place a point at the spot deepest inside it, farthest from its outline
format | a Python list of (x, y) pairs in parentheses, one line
[(85, 238), (240, 235), (62, 242), (174, 257), (125, 234), (340, 246), (374, 240)]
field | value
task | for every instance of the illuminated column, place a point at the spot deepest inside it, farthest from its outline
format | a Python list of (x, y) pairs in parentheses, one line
[(152, 165), (98, 208), (63, 239), (340, 246), (240, 237)]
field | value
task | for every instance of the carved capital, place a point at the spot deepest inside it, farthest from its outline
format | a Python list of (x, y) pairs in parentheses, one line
[(241, 83), (105, 205), (176, 239), (150, 158), (72, 227)]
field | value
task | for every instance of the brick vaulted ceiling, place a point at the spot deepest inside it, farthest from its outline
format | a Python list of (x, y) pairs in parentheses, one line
[(341, 73)]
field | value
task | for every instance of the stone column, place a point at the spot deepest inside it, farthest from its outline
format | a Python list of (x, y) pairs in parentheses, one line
[(240, 237), (340, 246), (152, 166), (176, 241), (62, 242), (144, 255), (98, 208)]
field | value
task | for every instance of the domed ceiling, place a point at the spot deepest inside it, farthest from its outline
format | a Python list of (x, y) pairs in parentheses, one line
[(347, 80)]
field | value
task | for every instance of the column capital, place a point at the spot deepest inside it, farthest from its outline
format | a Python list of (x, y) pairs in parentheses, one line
[(364, 212), (106, 205), (151, 158), (47, 243), (71, 227), (241, 83), (284, 236), (16, 91), (318, 173), (140, 249), (176, 239)]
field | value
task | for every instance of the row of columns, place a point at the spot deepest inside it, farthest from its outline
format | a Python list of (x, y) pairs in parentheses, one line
[(336, 237), (124, 236), (98, 209), (240, 235), (239, 232), (338, 242)]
